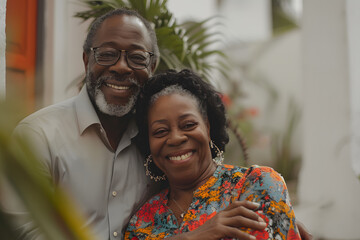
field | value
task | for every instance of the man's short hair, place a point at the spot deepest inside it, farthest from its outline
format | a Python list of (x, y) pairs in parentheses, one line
[(122, 11)]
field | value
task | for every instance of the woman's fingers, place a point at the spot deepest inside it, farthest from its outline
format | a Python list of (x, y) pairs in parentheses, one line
[(245, 222), (237, 233), (242, 208), (230, 222), (250, 205)]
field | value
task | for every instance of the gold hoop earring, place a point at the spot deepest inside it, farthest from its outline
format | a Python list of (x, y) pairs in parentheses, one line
[(219, 159), (149, 173)]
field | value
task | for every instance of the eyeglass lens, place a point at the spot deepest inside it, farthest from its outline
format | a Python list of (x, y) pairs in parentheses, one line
[(107, 56)]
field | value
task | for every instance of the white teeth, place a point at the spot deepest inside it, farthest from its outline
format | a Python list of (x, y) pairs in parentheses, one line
[(117, 87), (182, 157)]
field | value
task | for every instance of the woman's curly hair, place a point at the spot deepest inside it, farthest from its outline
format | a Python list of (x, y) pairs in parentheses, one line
[(206, 95)]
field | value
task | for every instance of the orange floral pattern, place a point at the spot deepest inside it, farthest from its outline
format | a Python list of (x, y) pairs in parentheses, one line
[(155, 220)]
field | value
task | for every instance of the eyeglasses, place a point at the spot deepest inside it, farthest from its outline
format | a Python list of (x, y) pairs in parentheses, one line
[(136, 59)]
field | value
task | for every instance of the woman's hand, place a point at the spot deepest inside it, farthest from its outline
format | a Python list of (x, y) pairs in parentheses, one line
[(227, 223)]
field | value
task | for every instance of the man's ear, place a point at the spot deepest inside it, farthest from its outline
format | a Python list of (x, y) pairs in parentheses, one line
[(153, 67), (86, 61)]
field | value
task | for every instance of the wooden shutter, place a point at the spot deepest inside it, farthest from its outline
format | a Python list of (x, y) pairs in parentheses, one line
[(21, 29)]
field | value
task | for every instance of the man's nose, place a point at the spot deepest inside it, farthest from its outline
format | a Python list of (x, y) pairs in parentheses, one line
[(121, 66)]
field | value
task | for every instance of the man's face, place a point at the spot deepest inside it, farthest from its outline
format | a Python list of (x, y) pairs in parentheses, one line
[(114, 88)]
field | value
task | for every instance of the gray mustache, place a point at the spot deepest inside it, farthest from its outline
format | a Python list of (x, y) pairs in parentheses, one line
[(102, 79)]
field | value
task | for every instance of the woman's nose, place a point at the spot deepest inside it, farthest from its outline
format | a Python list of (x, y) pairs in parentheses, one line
[(176, 138)]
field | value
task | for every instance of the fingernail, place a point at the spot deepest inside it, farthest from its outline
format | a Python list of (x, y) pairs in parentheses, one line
[(262, 224), (260, 219), (253, 237)]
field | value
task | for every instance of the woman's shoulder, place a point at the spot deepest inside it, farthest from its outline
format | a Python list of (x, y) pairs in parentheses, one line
[(252, 170), (264, 172), (226, 168), (254, 174), (266, 182)]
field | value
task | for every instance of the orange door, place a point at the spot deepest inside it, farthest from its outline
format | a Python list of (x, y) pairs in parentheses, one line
[(21, 23)]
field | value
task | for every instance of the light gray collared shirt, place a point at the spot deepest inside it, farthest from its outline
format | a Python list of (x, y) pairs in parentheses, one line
[(105, 184)]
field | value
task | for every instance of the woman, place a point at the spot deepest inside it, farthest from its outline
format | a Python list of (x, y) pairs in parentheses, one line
[(182, 129)]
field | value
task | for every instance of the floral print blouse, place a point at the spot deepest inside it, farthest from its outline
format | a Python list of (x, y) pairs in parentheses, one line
[(155, 220)]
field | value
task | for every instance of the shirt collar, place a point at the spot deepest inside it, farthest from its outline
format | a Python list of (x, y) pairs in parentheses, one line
[(132, 129), (85, 110)]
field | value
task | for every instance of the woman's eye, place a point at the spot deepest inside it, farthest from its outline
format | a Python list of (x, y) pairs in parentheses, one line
[(189, 125), (160, 132)]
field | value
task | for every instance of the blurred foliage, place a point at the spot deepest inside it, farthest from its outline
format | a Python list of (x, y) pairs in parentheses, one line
[(53, 213), (279, 142), (281, 20), (285, 161)]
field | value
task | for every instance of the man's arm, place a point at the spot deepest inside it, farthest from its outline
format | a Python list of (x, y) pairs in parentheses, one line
[(12, 205), (304, 233)]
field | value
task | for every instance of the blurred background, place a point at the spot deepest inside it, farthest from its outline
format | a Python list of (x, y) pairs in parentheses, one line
[(290, 81)]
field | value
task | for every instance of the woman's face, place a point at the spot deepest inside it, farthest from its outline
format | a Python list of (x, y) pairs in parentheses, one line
[(179, 138)]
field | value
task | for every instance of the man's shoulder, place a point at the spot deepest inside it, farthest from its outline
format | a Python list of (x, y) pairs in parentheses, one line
[(56, 111)]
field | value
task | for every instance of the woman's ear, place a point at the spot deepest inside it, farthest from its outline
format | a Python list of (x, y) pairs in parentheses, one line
[(208, 128)]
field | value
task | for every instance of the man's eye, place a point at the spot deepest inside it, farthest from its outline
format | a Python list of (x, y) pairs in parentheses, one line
[(137, 57), (106, 55)]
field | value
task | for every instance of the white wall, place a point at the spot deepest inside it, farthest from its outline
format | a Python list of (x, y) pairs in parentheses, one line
[(2, 48), (242, 20), (329, 191), (64, 36)]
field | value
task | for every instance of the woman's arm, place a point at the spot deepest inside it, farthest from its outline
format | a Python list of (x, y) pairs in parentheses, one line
[(225, 224), (267, 187), (228, 224)]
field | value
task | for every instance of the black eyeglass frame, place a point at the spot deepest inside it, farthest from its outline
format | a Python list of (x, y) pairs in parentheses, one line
[(151, 54)]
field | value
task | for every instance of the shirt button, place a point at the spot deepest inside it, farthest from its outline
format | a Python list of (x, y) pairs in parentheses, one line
[(114, 193), (115, 234)]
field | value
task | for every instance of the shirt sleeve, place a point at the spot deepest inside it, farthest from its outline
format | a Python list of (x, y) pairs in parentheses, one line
[(267, 187)]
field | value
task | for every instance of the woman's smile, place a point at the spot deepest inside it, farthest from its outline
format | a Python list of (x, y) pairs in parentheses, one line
[(178, 157)]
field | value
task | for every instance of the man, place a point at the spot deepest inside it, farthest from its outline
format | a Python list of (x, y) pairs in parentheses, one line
[(86, 142)]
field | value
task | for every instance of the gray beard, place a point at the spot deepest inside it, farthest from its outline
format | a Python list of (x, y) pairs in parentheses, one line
[(98, 97)]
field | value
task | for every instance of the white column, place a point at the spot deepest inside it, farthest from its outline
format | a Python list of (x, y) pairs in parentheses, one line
[(329, 190), (2, 49), (353, 19)]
